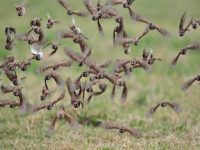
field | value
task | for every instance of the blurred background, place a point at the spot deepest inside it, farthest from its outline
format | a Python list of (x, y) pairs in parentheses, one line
[(144, 89)]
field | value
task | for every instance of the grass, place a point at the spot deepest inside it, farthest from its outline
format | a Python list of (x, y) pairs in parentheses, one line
[(164, 130)]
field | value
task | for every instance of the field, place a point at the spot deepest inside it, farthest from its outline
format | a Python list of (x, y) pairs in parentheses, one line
[(164, 130)]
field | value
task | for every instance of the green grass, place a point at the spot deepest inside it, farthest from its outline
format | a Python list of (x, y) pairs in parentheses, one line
[(164, 130)]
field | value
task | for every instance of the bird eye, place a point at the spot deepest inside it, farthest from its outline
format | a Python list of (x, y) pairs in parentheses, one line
[(47, 77), (55, 68), (36, 31), (150, 62), (101, 76), (100, 16), (20, 13), (53, 47), (76, 105), (181, 33), (30, 42), (135, 43), (126, 51), (23, 69), (12, 106), (133, 63), (194, 26), (42, 97), (60, 116), (118, 20), (69, 12), (183, 51), (93, 18), (98, 9), (12, 68), (80, 63), (8, 47), (75, 40), (198, 78), (49, 107), (38, 57), (121, 130), (85, 74), (125, 5), (49, 25), (117, 29), (15, 93), (164, 104), (89, 90), (16, 82)]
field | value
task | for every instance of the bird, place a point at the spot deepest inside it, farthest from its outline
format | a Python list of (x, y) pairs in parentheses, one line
[(10, 30), (183, 51), (79, 13), (57, 78), (36, 22), (176, 107), (50, 22), (182, 22), (54, 46), (21, 8), (188, 83), (122, 129), (61, 114), (9, 43)]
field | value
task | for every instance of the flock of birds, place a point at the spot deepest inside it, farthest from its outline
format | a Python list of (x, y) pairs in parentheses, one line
[(96, 73)]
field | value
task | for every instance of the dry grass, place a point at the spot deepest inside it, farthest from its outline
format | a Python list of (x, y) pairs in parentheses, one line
[(165, 130)]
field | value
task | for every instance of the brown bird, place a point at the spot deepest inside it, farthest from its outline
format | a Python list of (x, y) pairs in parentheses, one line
[(13, 77), (36, 22), (188, 83), (13, 65), (96, 13), (45, 92), (60, 34), (10, 30), (195, 23), (62, 114), (176, 107), (62, 63), (55, 66), (76, 30), (117, 81), (57, 78), (9, 43), (120, 33), (74, 97), (79, 58), (54, 46), (49, 105), (122, 129), (38, 53), (12, 103), (29, 38), (70, 11), (7, 60), (25, 64), (50, 22), (8, 89), (182, 22), (151, 60), (16, 92), (152, 26), (119, 63), (20, 8), (183, 51), (142, 64)]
